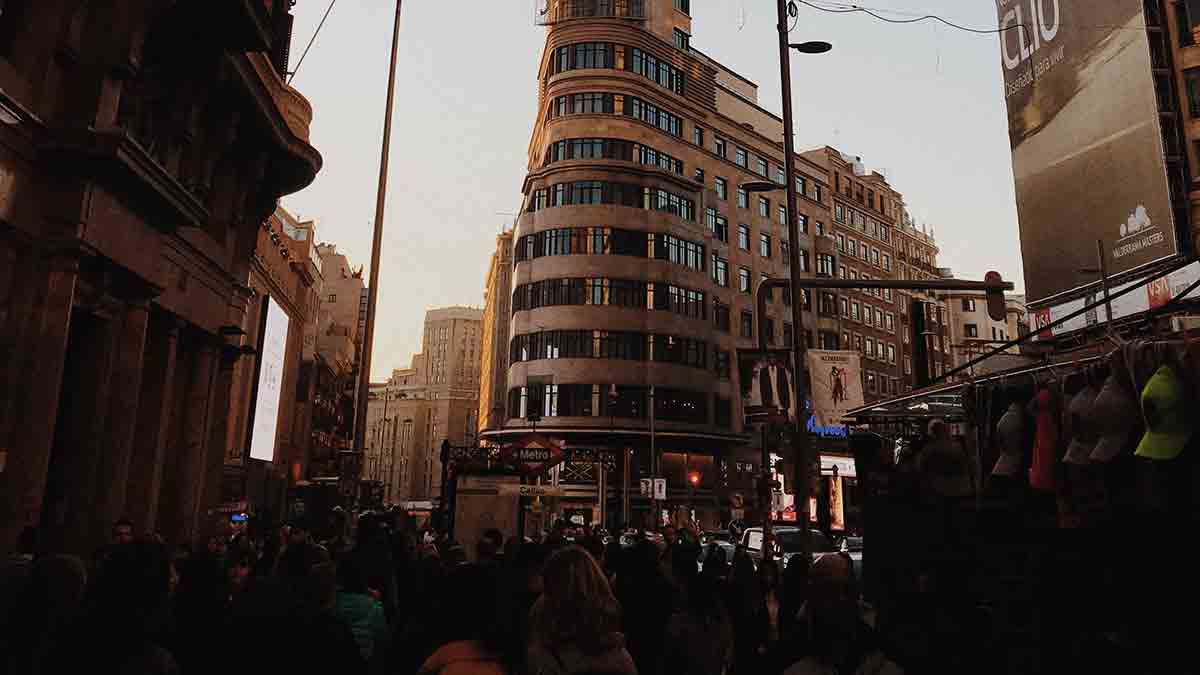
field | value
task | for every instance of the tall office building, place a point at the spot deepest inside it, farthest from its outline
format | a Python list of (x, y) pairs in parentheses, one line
[(638, 251), (493, 346)]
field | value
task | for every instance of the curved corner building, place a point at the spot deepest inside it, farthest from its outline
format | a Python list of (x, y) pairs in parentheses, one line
[(636, 255)]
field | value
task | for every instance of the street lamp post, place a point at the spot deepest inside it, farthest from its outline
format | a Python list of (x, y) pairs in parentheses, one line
[(364, 372)]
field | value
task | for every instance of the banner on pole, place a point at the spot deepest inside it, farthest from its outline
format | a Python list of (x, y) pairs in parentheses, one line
[(836, 378)]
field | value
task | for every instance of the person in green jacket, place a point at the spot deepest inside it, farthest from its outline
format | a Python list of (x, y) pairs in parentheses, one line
[(358, 607)]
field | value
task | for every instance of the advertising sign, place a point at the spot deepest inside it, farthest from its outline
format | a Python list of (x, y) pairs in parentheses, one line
[(1087, 147), (660, 489), (836, 378), (1148, 296), (271, 355), (767, 388)]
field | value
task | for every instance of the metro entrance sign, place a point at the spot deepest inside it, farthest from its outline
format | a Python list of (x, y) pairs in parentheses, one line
[(535, 455)]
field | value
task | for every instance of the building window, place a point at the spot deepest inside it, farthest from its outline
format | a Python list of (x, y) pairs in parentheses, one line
[(887, 262), (887, 294), (846, 307), (783, 215), (890, 322), (761, 167), (764, 207), (720, 271), (868, 315), (332, 297), (764, 245), (743, 280), (739, 157), (839, 213), (802, 223), (968, 305), (971, 330), (654, 69), (744, 237), (824, 265), (722, 188), (746, 325), (879, 317), (684, 6), (699, 176), (891, 353), (803, 254), (858, 343), (653, 115), (785, 252), (770, 293), (721, 315), (743, 199), (907, 366), (720, 148), (780, 175), (855, 311), (721, 363), (828, 304), (682, 40)]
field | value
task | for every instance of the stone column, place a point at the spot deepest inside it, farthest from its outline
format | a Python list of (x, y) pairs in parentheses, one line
[(153, 425), (35, 390), (123, 401), (194, 443), (214, 462), (80, 443)]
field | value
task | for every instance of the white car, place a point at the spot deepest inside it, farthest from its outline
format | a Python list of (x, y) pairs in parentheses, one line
[(788, 544)]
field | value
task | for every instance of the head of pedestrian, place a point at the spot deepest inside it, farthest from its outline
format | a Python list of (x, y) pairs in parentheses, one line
[(577, 606), (122, 531), (833, 594)]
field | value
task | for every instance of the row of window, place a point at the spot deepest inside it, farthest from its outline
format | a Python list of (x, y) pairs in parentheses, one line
[(862, 222), (853, 190), (604, 344), (603, 400), (614, 292), (611, 148), (884, 294), (611, 241), (605, 192), (762, 166), (869, 254), (589, 55), (596, 103)]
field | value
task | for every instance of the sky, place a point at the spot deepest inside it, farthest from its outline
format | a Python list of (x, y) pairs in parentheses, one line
[(922, 102)]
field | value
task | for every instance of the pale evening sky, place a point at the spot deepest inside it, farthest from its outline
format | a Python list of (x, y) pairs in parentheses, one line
[(923, 102)]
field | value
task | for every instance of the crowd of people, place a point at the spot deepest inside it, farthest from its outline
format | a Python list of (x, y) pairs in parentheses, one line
[(377, 595)]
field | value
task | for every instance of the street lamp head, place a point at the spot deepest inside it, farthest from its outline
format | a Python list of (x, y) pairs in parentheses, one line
[(812, 47), (760, 186)]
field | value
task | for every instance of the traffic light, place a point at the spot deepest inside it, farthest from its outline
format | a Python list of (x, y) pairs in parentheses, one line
[(995, 297), (920, 343)]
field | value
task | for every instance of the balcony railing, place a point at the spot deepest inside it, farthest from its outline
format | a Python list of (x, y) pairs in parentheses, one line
[(549, 12)]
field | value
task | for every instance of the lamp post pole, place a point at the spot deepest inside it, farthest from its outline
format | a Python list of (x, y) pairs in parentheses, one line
[(801, 442), (364, 372)]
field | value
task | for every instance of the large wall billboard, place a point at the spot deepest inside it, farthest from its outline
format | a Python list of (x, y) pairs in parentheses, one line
[(1086, 143), (272, 354)]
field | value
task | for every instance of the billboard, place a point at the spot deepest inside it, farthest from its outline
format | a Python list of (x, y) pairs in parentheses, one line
[(272, 352), (766, 387), (1087, 147), (836, 378)]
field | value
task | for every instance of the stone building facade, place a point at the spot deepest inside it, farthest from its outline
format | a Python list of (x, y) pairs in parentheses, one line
[(142, 148), (493, 345), (436, 399), (638, 252)]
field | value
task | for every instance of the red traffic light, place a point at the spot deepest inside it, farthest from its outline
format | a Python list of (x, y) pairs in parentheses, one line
[(694, 478), (995, 296)]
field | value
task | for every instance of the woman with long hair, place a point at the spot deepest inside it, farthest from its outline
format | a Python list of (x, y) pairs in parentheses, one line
[(575, 625)]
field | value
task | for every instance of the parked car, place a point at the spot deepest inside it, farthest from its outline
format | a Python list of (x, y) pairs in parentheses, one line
[(788, 543)]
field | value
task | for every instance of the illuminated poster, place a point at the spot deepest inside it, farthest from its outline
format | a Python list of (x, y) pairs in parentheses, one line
[(1087, 147), (836, 378), (271, 356)]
